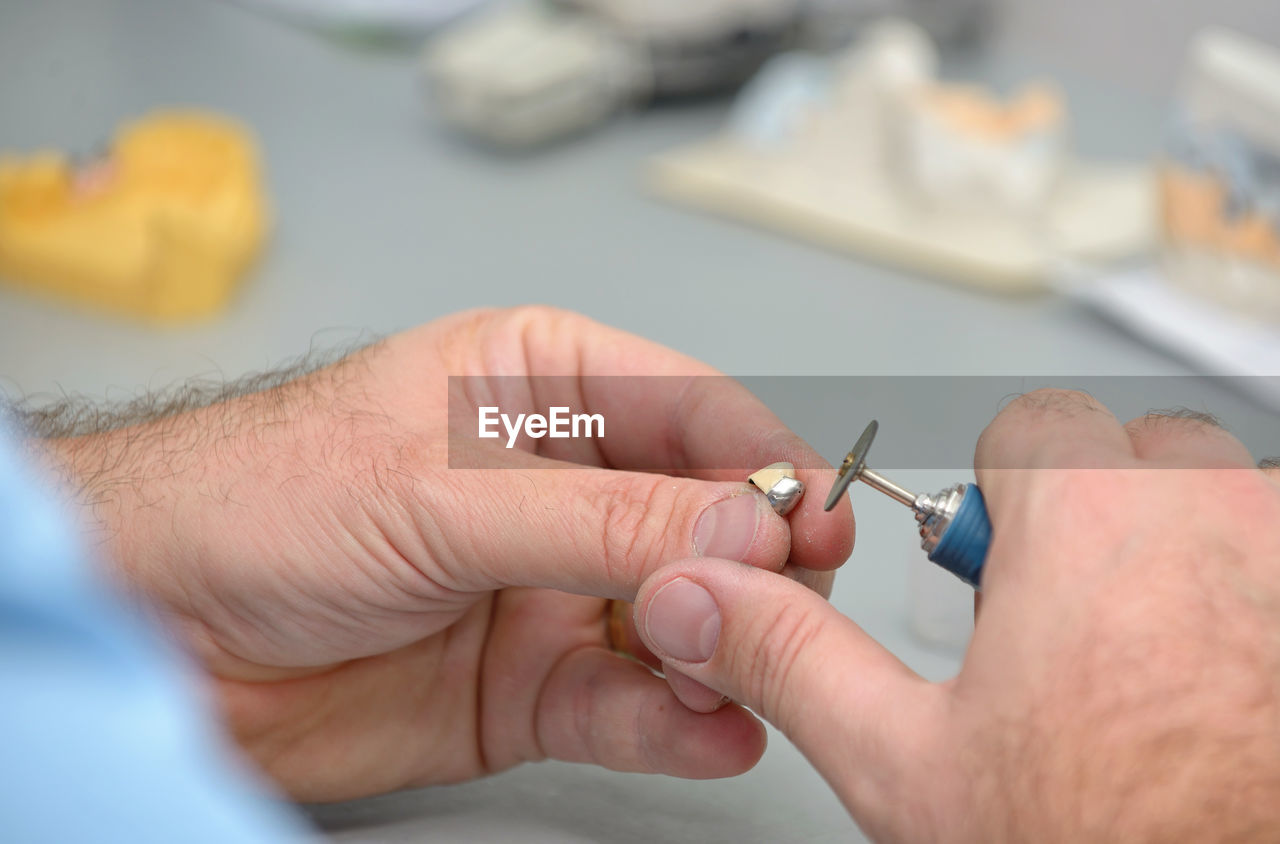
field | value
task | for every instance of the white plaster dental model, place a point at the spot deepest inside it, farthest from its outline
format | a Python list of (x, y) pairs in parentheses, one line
[(962, 147), (871, 154)]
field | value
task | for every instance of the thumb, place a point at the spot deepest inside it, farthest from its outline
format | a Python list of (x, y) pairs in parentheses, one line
[(869, 724)]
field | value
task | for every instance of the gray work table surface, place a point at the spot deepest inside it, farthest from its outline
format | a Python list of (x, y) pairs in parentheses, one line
[(386, 221)]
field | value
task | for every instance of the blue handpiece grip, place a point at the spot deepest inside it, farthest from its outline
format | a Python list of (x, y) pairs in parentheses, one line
[(962, 550)]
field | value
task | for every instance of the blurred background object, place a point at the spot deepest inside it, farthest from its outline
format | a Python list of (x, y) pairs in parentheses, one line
[(870, 152), (966, 149), (385, 18), (1140, 44), (697, 48), (161, 225), (1212, 296), (527, 73), (538, 70), (1220, 180)]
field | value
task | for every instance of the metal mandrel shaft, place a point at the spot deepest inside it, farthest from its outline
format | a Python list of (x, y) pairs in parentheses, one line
[(877, 481)]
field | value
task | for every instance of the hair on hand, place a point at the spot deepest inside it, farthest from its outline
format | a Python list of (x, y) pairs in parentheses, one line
[(76, 415)]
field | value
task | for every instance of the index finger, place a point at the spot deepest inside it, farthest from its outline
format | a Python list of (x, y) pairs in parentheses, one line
[(669, 413), (713, 428)]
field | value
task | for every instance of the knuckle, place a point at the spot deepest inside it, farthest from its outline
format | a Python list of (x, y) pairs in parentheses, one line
[(1053, 401), (509, 332), (786, 444), (635, 517), (768, 663), (553, 321), (540, 312), (1228, 489), (1174, 419), (583, 707), (819, 582), (1085, 501)]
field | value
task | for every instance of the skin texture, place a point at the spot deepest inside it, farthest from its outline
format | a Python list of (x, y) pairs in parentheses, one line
[(372, 619), (1123, 680)]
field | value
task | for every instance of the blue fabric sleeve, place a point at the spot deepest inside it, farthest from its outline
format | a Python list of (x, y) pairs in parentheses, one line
[(102, 735)]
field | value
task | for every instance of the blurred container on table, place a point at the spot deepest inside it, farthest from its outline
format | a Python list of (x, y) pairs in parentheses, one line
[(529, 73), (540, 70)]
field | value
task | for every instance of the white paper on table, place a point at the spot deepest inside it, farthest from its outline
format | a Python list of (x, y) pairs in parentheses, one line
[(1213, 338)]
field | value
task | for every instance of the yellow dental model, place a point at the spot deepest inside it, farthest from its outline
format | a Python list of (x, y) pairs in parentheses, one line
[(161, 227)]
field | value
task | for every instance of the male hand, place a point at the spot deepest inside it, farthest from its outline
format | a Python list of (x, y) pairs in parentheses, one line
[(375, 619), (1123, 680)]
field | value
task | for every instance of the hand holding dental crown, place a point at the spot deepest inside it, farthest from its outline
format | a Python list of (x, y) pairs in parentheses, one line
[(432, 609)]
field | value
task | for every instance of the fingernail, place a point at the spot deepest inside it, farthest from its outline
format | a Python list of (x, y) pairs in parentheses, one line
[(684, 621), (726, 528)]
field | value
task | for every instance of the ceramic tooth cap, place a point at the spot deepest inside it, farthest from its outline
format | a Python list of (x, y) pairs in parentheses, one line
[(779, 484), (769, 476)]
